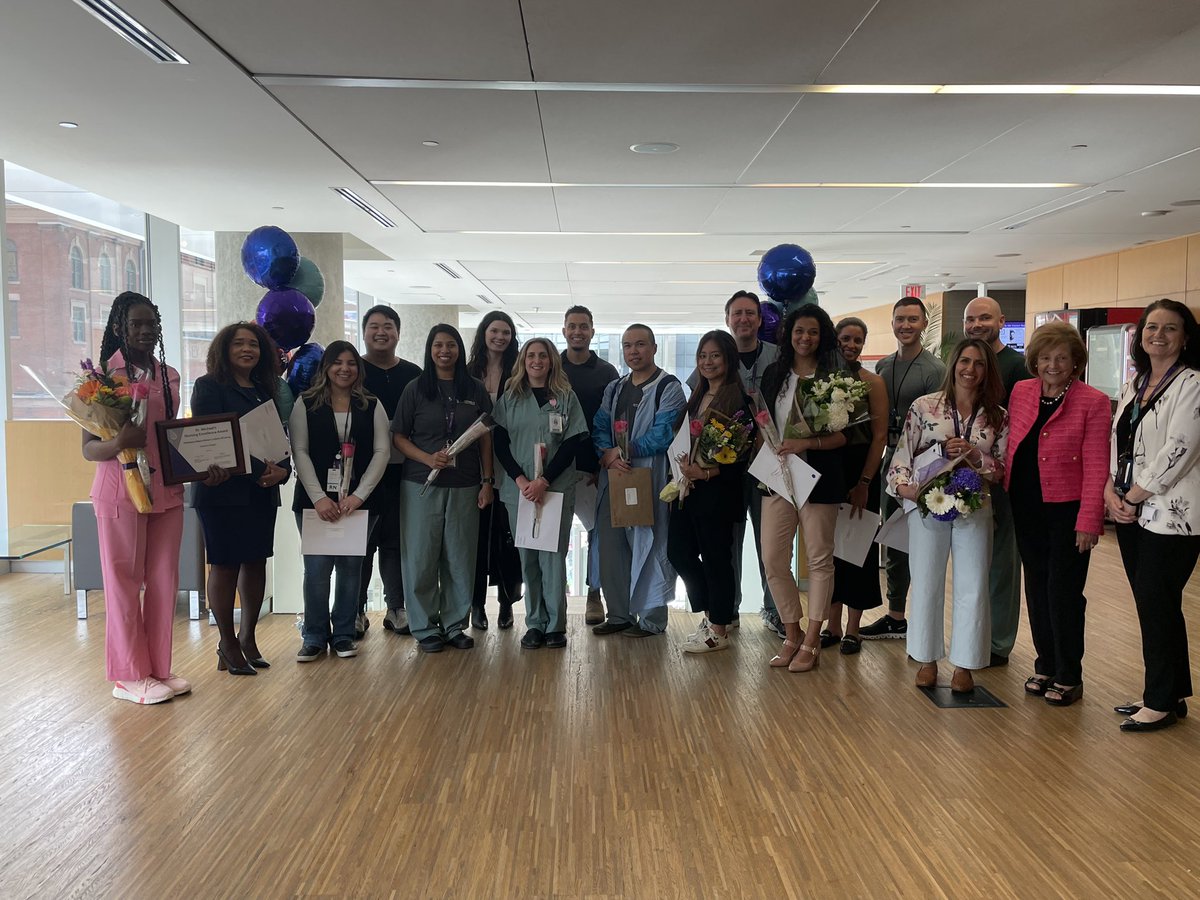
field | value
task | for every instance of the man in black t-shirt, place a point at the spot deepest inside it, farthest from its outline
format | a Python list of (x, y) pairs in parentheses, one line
[(386, 377), (589, 375)]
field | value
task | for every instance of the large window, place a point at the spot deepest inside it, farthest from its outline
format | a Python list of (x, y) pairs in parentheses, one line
[(60, 233), (198, 276), (131, 279), (12, 261), (106, 281)]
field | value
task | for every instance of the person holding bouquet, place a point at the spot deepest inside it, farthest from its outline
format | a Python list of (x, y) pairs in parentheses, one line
[(237, 514), (856, 588), (493, 361), (139, 548), (539, 429), (807, 355), (340, 446), (442, 492), (704, 521), (954, 519)]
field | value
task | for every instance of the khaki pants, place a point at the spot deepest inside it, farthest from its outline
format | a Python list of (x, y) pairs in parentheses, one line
[(779, 522)]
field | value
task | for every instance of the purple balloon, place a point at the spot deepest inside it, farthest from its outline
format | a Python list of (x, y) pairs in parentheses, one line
[(270, 257), (303, 368), (771, 317), (288, 316)]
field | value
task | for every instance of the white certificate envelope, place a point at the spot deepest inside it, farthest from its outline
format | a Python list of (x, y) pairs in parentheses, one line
[(852, 536), (894, 532), (681, 445), (263, 436), (585, 504), (345, 537), (767, 468), (537, 527)]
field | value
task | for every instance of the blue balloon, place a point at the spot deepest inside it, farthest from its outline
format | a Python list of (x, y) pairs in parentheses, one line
[(309, 281), (287, 316), (786, 272), (771, 317), (303, 368), (270, 257)]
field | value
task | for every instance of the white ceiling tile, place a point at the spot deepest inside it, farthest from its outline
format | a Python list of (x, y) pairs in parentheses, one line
[(475, 209), (516, 271), (793, 210), (952, 209), (636, 209)]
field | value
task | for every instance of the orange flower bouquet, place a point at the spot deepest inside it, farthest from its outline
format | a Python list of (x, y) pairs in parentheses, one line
[(102, 402)]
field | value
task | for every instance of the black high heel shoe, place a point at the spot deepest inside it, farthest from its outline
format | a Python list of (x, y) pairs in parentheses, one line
[(1130, 708), (223, 665), (506, 616), (258, 662)]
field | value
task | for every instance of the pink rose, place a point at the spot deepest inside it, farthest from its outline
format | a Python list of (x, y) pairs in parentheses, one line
[(347, 450), (763, 418), (696, 427), (620, 426)]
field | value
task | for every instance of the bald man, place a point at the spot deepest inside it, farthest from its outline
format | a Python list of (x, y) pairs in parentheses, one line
[(983, 319)]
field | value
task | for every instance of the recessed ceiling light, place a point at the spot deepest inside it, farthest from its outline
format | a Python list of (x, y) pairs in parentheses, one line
[(1005, 255), (654, 147), (276, 207), (1186, 203), (1079, 146), (1143, 243), (391, 271), (419, 287), (1154, 213), (429, 143), (906, 226), (68, 124), (941, 274)]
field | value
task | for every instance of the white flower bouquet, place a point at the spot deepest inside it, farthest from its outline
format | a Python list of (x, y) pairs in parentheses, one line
[(828, 405)]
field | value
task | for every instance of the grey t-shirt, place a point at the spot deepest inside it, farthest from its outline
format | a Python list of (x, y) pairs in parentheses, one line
[(905, 381), (431, 424)]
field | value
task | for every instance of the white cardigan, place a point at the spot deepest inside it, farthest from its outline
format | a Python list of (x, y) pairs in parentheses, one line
[(1166, 456)]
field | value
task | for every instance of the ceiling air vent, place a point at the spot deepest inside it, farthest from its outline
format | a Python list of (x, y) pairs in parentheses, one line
[(366, 207), (488, 300), (132, 30), (449, 271)]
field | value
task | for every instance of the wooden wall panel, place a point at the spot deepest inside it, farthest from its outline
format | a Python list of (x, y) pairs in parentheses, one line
[(879, 329), (46, 471), (1193, 263), (1155, 270), (1090, 282), (1043, 290)]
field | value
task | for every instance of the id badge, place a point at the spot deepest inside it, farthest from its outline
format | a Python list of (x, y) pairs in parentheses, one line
[(556, 423), (333, 479)]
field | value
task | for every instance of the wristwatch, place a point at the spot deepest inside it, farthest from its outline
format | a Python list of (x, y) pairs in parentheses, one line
[(488, 480)]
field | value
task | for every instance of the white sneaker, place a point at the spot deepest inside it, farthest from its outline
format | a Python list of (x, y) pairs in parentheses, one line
[(176, 684), (705, 641), (144, 691)]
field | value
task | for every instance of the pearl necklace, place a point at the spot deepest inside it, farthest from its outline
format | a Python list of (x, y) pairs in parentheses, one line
[(1050, 401)]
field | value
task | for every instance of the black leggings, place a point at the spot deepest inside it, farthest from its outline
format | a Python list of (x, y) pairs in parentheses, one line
[(698, 540)]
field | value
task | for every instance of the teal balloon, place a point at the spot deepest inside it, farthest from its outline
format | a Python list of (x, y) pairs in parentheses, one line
[(309, 281), (810, 297)]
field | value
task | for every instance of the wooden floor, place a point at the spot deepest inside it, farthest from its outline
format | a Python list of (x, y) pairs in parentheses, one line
[(617, 768)]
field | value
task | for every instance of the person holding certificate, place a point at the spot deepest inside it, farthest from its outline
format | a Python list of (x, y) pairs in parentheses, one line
[(237, 514), (540, 427), (138, 550), (340, 448), (704, 522), (967, 420), (443, 491)]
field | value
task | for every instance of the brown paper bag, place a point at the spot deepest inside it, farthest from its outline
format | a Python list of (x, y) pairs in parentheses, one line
[(631, 497)]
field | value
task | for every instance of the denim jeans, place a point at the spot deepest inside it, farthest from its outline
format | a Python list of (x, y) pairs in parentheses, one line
[(321, 626)]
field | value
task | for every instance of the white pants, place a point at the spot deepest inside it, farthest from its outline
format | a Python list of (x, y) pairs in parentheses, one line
[(931, 545)]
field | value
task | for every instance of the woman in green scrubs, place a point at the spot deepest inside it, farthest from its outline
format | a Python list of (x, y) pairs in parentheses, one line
[(539, 428)]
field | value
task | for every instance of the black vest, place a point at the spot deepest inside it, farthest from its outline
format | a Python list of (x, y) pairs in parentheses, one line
[(324, 441)]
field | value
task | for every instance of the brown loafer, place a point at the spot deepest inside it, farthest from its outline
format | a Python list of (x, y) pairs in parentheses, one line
[(927, 675), (962, 682)]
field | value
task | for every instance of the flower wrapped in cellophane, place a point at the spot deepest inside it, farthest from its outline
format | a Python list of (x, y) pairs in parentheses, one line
[(717, 439), (474, 432), (954, 494), (827, 405), (101, 402)]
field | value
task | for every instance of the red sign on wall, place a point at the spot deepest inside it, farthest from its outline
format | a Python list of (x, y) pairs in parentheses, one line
[(915, 290)]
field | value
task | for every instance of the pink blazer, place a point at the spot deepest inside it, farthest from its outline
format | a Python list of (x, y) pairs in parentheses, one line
[(1072, 448), (108, 487)]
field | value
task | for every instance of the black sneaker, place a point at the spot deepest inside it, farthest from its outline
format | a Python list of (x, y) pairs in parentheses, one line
[(774, 624), (533, 639), (432, 644), (345, 648), (884, 628), (309, 652), (461, 641), (556, 639)]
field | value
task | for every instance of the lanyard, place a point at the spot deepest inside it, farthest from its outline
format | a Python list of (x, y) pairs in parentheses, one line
[(754, 369), (958, 424), (449, 409), (1136, 406), (345, 435)]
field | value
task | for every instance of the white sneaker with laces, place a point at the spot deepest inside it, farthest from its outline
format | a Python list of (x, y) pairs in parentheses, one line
[(143, 691), (705, 640), (176, 684)]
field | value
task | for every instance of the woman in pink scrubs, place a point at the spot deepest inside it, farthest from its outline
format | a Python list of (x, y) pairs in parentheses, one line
[(138, 549)]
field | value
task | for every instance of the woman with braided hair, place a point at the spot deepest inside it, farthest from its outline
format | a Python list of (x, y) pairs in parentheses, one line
[(138, 550)]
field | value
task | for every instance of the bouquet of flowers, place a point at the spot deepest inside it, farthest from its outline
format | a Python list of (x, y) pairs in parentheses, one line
[(954, 494), (474, 432), (101, 402), (719, 441), (828, 405)]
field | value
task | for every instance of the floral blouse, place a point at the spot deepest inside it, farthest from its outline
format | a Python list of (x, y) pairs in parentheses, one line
[(1166, 450), (931, 421)]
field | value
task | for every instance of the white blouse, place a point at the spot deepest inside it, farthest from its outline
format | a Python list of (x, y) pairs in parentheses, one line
[(1166, 452), (931, 421)]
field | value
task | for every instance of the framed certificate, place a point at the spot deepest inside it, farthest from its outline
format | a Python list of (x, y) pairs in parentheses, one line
[(187, 447)]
